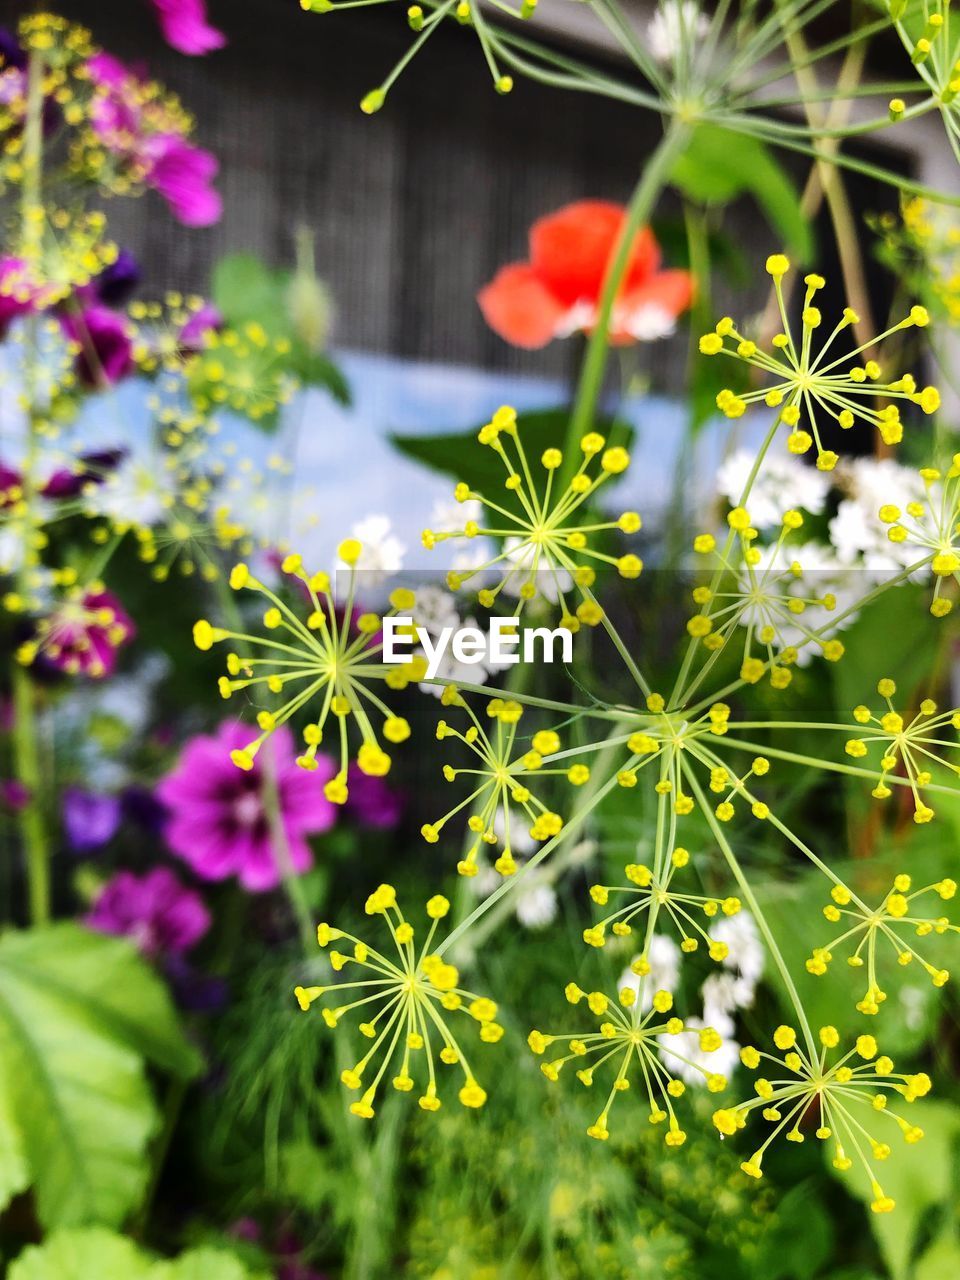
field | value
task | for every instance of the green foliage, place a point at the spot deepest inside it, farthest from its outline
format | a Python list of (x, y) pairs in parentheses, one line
[(457, 454), (718, 166), (246, 289), (80, 1017), (85, 1253), (921, 1181)]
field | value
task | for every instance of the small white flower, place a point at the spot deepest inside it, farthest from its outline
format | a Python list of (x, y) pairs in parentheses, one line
[(536, 906), (724, 993), (664, 958), (134, 494), (857, 532), (676, 25), (522, 842), (435, 609), (746, 954), (722, 1061), (382, 552), (782, 484)]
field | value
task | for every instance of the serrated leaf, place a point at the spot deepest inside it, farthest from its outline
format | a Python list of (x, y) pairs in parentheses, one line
[(79, 1015), (717, 166)]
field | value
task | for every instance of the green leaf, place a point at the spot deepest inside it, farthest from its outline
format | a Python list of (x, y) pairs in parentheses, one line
[(79, 1014), (14, 1174), (246, 289), (919, 1177), (205, 1263), (718, 166), (941, 1261), (81, 1255), (94, 1253), (459, 455), (786, 1252)]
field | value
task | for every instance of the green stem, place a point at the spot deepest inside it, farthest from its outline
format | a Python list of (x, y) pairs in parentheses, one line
[(26, 753), (652, 181), (751, 901)]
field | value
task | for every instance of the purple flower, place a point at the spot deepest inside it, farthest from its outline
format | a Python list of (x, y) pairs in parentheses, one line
[(82, 635), (114, 285), (156, 910), (89, 468), (143, 135), (105, 344), (14, 796), (373, 802), (183, 175), (219, 822), (90, 820), (185, 27), (202, 322)]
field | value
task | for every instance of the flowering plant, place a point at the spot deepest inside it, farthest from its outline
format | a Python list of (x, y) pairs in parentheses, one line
[(694, 882)]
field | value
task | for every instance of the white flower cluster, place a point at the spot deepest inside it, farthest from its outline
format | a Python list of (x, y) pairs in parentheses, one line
[(723, 993)]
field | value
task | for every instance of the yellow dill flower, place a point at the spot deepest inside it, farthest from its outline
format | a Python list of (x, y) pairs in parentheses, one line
[(54, 253), (407, 1002), (889, 922), (807, 383), (908, 745), (500, 780), (760, 589), (934, 527), (318, 661), (626, 1033), (545, 551), (841, 1094), (159, 346), (242, 369), (650, 893)]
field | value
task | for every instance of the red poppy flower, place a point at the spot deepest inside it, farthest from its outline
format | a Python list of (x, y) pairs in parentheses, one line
[(558, 291)]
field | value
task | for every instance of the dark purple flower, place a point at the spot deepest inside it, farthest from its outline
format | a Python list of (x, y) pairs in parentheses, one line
[(156, 910), (105, 343), (185, 27), (89, 468), (372, 801), (115, 284), (142, 808), (14, 796), (218, 817), (11, 54), (90, 820), (194, 990)]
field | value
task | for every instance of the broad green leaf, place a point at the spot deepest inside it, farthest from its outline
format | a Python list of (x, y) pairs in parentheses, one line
[(785, 1252), (717, 166), (79, 1014), (82, 1254), (204, 1263), (94, 1253), (919, 1177), (460, 456), (941, 1261), (246, 289), (14, 1174)]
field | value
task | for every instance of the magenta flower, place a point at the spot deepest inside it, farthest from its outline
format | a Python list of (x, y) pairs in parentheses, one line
[(148, 136), (183, 175), (219, 821), (105, 345), (83, 634), (18, 294), (185, 27), (156, 910), (373, 802)]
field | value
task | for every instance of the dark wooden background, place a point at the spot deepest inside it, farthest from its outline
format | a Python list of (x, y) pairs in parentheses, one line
[(414, 208)]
